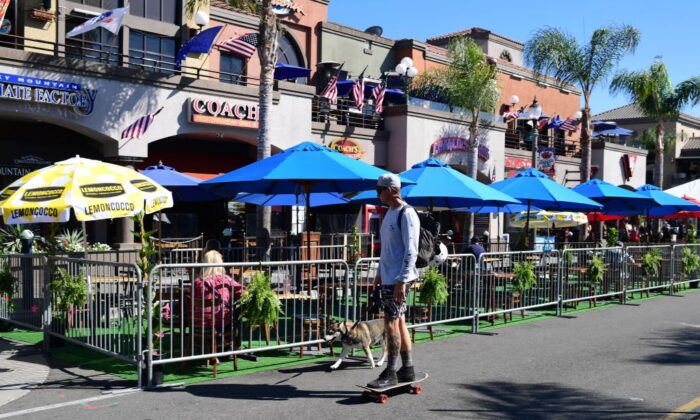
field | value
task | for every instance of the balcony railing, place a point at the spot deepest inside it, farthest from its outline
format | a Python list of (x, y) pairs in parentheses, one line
[(564, 147), (344, 112), (136, 59)]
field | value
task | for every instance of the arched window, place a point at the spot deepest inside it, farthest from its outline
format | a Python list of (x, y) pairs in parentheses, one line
[(289, 53)]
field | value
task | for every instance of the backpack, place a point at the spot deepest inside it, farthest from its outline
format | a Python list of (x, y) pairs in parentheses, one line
[(428, 243)]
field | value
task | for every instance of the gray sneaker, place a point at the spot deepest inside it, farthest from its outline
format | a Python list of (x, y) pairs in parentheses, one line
[(406, 374), (385, 379)]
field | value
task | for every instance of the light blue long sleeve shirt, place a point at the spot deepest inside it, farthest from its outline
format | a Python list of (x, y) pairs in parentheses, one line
[(399, 248)]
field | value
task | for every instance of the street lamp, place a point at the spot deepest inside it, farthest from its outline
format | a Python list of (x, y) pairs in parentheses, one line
[(406, 70), (535, 112), (514, 101), (201, 19)]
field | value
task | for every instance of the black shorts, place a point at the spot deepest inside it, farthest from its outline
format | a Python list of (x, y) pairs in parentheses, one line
[(392, 308)]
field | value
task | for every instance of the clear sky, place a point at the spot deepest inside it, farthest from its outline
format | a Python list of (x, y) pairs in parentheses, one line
[(669, 29)]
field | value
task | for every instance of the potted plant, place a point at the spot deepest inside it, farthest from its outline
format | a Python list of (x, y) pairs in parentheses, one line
[(260, 305), (72, 241), (524, 278), (69, 292), (596, 269), (651, 265), (690, 263)]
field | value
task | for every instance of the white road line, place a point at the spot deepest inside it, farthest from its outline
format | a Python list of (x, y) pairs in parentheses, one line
[(63, 404)]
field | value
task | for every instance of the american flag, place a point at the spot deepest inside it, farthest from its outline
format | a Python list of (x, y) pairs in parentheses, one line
[(358, 93), (509, 115), (138, 128), (542, 123), (331, 90), (244, 45), (378, 95), (569, 125)]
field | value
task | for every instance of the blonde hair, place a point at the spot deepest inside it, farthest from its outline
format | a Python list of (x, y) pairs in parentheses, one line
[(213, 257)]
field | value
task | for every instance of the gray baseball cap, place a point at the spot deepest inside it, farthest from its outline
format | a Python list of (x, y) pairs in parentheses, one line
[(389, 180)]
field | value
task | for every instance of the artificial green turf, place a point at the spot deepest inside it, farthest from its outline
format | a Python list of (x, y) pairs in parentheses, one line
[(197, 371)]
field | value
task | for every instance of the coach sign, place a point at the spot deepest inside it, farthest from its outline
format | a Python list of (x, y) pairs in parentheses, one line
[(222, 112)]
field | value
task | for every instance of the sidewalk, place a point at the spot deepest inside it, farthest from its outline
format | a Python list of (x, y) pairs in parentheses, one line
[(22, 367)]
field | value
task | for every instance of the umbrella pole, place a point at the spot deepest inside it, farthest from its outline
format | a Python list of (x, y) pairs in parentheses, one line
[(307, 196), (160, 236), (85, 241), (527, 226)]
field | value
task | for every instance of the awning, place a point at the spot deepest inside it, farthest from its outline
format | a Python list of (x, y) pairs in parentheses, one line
[(286, 71), (616, 132)]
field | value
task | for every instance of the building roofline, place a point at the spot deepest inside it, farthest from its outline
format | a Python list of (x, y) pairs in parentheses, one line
[(476, 32)]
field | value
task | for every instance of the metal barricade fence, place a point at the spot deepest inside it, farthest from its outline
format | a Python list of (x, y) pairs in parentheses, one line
[(458, 270), (497, 291), (685, 265), (28, 277), (193, 312), (592, 273), (641, 278), (110, 321)]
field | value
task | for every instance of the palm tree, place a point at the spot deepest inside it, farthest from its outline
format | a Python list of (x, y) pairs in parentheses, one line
[(653, 93), (267, 52), (557, 53), (468, 83)]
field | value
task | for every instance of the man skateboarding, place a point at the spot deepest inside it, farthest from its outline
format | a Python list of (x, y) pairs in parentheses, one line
[(397, 269)]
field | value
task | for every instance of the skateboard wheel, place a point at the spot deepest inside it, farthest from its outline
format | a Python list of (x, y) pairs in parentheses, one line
[(417, 390), (383, 398)]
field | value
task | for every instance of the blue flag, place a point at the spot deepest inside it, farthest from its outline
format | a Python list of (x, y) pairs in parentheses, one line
[(200, 43)]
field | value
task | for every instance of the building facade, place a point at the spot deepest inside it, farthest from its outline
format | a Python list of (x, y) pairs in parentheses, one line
[(63, 97)]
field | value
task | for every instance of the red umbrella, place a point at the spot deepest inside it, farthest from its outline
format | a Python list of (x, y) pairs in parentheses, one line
[(685, 214), (600, 217)]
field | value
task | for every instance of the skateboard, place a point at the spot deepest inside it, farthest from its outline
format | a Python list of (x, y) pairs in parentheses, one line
[(379, 393)]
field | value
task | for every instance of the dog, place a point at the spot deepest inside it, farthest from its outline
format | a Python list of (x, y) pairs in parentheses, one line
[(361, 334)]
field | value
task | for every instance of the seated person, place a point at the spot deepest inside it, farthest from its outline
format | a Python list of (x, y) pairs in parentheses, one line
[(474, 248)]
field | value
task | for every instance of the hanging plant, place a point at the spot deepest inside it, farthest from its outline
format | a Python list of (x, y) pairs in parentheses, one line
[(7, 286), (651, 263), (260, 305), (433, 289), (596, 269), (613, 236), (69, 291), (690, 261), (524, 276)]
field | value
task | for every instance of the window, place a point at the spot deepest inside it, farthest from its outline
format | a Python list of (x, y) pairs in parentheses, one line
[(105, 4), (232, 69), (162, 10), (96, 45), (152, 51), (288, 53)]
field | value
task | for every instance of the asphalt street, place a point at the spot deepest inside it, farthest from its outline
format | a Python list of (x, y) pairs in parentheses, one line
[(635, 361)]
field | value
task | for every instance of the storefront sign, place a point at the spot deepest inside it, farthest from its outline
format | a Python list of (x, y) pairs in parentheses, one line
[(546, 159), (221, 112), (517, 163), (52, 92), (4, 5), (348, 147), (458, 144), (25, 165)]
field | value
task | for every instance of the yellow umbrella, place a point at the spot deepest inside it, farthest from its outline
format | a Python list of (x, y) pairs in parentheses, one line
[(95, 190), (549, 219)]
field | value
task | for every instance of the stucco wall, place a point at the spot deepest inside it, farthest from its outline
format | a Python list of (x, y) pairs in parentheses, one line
[(609, 162)]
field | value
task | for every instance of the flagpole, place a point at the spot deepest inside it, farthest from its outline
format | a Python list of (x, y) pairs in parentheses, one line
[(206, 59)]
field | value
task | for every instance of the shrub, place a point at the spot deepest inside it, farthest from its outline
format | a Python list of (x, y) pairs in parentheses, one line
[(651, 262), (433, 289), (524, 276), (69, 290), (596, 269), (260, 305)]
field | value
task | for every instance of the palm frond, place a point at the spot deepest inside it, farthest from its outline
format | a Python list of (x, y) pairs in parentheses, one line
[(688, 92), (556, 53)]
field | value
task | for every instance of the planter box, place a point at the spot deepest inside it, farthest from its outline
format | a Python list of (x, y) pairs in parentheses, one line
[(43, 15)]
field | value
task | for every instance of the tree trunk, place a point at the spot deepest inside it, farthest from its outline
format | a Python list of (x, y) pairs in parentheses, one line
[(659, 158), (472, 167), (267, 51), (586, 140)]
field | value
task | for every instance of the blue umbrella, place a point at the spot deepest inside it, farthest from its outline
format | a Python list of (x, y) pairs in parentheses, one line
[(184, 187), (666, 204), (536, 189), (509, 208), (287, 71), (438, 185), (617, 131), (305, 168), (316, 199), (614, 199)]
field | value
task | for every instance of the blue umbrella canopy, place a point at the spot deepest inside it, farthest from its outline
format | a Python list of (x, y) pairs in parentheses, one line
[(287, 71), (666, 204), (534, 188), (438, 185), (614, 199), (315, 200), (306, 167), (184, 187), (617, 131), (509, 208)]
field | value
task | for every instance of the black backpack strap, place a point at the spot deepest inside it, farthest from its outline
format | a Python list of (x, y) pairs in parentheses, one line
[(401, 212)]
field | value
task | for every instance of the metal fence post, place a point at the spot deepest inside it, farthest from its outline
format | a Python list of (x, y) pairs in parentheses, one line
[(476, 276), (149, 329), (560, 282), (139, 326), (673, 270), (46, 314)]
